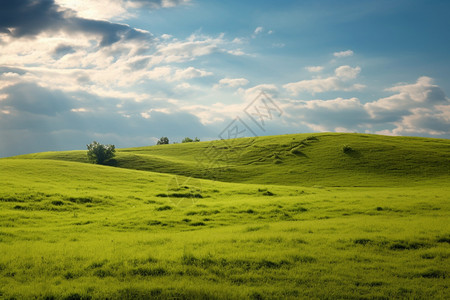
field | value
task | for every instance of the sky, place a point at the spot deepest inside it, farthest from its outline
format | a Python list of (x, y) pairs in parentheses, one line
[(127, 72)]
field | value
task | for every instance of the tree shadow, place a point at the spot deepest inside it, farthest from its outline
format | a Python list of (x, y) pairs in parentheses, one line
[(112, 163), (353, 153)]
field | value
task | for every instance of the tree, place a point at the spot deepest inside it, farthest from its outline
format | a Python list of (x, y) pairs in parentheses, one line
[(163, 141), (189, 140), (100, 154)]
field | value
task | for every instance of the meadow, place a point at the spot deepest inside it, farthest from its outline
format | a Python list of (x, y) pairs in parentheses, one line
[(323, 216)]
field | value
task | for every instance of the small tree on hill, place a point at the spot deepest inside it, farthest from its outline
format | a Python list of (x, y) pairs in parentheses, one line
[(189, 140), (163, 141), (100, 154)]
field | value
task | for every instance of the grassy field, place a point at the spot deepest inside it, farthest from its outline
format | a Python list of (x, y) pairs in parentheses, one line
[(295, 216)]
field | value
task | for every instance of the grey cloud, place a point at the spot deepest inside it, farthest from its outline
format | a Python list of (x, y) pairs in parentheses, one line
[(110, 32), (22, 18), (11, 70), (62, 50), (26, 17), (139, 64), (43, 120), (348, 113), (31, 98)]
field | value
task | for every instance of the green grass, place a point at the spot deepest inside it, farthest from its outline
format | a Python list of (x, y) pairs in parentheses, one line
[(370, 223), (297, 159)]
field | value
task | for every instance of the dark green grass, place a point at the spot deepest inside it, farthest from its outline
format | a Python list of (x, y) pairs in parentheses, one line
[(298, 159)]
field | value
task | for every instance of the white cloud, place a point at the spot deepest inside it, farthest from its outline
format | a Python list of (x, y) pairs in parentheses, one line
[(238, 40), (337, 104), (421, 94), (79, 109), (183, 86), (420, 108), (166, 36), (98, 9), (343, 53), (251, 93), (346, 72), (114, 9), (338, 82), (343, 130), (258, 30), (236, 52), (194, 46), (231, 82), (169, 74), (314, 69), (189, 73)]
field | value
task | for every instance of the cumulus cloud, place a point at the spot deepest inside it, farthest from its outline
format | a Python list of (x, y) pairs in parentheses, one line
[(340, 81), (231, 82), (434, 121), (114, 9), (314, 69), (98, 9), (189, 73), (421, 108), (421, 94), (343, 53)]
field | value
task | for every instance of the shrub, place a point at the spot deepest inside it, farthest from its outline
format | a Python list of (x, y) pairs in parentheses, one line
[(144, 271), (443, 239), (198, 224), (362, 241), (347, 149), (100, 154), (166, 207), (189, 140)]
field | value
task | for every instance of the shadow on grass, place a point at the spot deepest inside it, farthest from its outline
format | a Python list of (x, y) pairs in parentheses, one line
[(353, 153)]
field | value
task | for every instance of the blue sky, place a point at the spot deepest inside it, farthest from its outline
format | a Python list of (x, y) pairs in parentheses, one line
[(127, 72)]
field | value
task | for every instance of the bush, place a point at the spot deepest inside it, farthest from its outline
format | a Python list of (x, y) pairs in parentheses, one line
[(163, 141), (347, 149), (100, 154), (189, 140)]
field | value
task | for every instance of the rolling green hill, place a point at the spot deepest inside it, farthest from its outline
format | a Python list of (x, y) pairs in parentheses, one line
[(298, 159), (290, 217)]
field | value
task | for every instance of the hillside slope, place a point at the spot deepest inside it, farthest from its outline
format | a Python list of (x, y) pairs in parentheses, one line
[(71, 230), (297, 159)]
